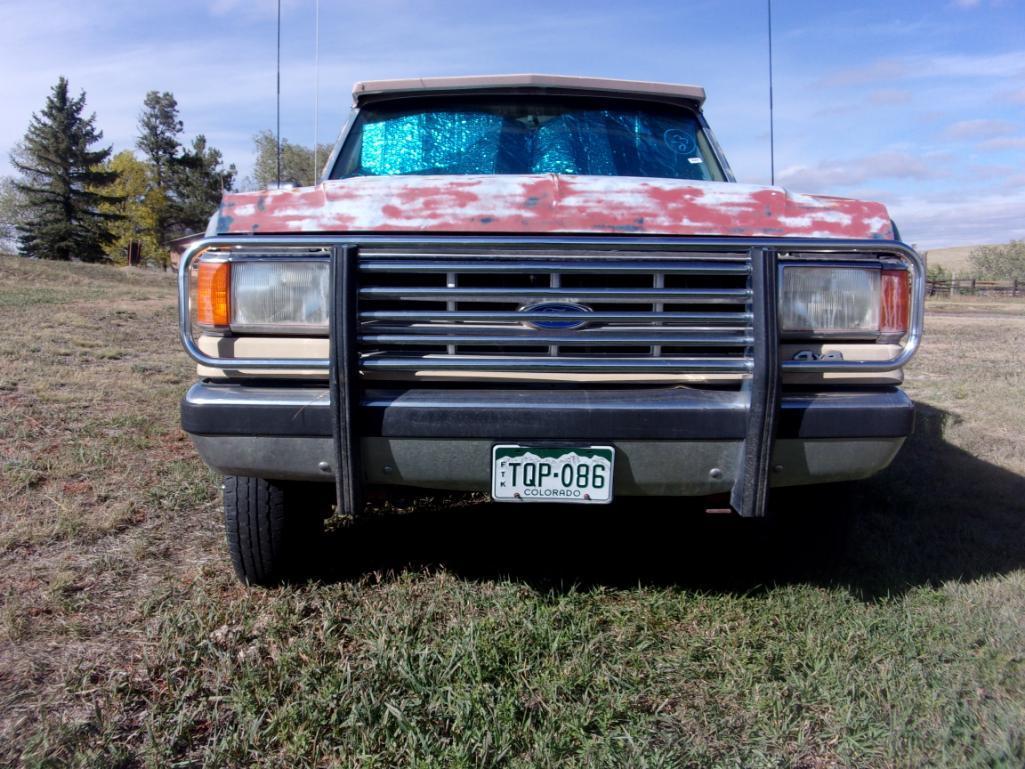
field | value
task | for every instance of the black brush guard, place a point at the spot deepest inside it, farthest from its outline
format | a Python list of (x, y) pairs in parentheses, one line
[(749, 497), (750, 491)]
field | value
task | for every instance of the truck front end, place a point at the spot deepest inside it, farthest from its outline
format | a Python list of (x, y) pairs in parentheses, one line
[(547, 289)]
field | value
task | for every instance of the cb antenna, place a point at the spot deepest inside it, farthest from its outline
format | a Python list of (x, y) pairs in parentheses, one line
[(316, 90), (772, 131), (278, 133)]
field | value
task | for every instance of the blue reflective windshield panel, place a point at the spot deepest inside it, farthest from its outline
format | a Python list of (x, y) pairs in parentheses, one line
[(539, 135)]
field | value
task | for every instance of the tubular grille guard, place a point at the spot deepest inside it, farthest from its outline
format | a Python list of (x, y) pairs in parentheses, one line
[(715, 318), (755, 327)]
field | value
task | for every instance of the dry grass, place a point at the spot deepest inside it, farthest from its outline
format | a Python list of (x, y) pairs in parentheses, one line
[(975, 305), (96, 479), (881, 624)]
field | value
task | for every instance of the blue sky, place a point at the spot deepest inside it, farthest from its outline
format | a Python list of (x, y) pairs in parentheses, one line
[(918, 104)]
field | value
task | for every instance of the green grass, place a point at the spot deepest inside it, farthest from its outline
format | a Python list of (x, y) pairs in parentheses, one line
[(879, 624), (432, 670)]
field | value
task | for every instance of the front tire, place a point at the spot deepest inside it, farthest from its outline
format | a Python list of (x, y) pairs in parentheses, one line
[(268, 524)]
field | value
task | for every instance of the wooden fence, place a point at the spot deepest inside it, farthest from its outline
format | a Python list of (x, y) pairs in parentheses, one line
[(975, 287)]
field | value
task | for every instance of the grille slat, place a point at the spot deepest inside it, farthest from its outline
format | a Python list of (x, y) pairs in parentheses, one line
[(646, 295), (545, 363), (540, 267), (646, 312), (582, 339), (485, 316)]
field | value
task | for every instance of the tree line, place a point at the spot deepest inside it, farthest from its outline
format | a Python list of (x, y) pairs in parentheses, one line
[(74, 198), (1005, 261)]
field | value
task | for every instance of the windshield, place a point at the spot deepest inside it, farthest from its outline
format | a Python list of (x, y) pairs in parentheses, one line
[(527, 135)]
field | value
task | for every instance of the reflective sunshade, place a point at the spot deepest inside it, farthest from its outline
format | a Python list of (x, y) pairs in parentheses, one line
[(449, 142), (830, 299), (279, 294), (502, 135)]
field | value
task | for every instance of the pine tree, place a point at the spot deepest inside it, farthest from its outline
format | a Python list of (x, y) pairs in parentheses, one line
[(159, 128), (198, 180), (62, 183)]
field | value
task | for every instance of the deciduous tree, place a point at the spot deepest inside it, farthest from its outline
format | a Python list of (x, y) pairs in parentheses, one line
[(12, 213), (138, 209), (1004, 262)]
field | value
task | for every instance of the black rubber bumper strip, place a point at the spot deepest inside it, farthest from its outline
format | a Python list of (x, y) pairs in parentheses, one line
[(661, 413)]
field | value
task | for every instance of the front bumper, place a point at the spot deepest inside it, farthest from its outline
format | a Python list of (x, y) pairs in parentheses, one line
[(670, 440)]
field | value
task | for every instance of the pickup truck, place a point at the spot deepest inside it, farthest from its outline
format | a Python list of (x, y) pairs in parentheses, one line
[(547, 288)]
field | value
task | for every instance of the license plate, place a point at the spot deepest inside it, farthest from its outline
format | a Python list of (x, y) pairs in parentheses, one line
[(545, 474)]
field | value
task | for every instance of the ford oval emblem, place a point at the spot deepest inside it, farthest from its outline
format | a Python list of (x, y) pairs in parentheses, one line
[(560, 308)]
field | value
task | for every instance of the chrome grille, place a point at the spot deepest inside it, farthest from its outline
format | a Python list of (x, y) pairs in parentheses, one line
[(660, 312)]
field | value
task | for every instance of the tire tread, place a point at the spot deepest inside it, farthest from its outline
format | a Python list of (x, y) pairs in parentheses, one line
[(265, 523)]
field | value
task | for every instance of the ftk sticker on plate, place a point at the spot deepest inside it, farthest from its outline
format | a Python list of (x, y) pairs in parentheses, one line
[(544, 474)]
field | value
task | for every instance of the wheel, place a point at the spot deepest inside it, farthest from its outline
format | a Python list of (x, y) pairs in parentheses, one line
[(268, 524)]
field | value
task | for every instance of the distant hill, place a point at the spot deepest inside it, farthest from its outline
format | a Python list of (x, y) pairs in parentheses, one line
[(951, 259)]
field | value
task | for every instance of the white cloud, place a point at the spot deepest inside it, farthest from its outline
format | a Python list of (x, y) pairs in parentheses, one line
[(1004, 143), (890, 96), (994, 171), (250, 9), (980, 128), (1008, 65), (881, 69), (851, 172), (962, 219)]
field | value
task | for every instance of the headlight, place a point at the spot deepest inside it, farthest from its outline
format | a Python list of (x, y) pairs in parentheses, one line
[(820, 299), (823, 300), (264, 296), (279, 295)]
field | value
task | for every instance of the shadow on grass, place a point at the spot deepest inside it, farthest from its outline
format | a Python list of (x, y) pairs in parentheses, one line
[(938, 513)]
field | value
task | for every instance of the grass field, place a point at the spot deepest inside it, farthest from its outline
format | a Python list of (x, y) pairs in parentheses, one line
[(880, 624)]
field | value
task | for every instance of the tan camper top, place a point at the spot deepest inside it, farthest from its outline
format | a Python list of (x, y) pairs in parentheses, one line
[(487, 82)]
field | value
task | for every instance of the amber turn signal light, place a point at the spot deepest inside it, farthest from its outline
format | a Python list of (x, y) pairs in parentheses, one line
[(894, 302), (212, 295)]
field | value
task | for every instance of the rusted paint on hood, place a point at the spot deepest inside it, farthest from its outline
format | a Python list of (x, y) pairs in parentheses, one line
[(548, 204)]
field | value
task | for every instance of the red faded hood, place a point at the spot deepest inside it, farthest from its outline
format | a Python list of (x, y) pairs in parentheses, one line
[(554, 204)]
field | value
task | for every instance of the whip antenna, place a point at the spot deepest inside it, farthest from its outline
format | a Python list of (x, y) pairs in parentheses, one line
[(278, 134), (316, 91), (772, 132)]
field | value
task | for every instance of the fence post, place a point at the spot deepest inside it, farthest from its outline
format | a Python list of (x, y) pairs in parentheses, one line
[(1014, 287)]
